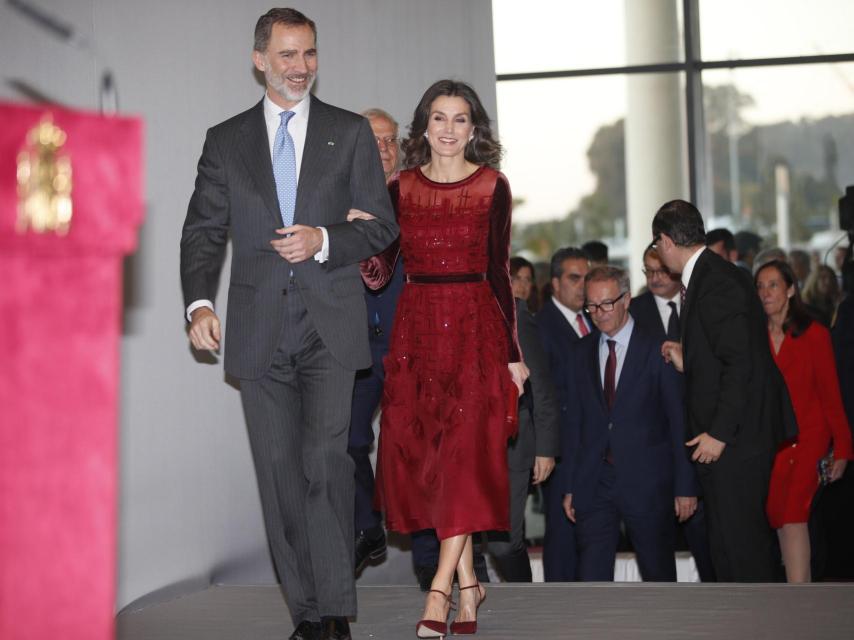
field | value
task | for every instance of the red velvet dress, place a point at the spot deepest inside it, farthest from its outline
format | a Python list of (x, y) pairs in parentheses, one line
[(442, 460), (808, 366)]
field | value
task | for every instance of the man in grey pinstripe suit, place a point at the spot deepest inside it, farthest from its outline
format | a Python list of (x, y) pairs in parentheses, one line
[(297, 328)]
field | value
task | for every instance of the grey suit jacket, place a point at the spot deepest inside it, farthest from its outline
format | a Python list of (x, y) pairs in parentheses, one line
[(235, 195), (538, 408)]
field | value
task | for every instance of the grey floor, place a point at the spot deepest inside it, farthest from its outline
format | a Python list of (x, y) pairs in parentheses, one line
[(600, 611)]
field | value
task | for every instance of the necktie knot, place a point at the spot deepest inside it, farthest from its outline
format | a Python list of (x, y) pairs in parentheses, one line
[(285, 117), (611, 344)]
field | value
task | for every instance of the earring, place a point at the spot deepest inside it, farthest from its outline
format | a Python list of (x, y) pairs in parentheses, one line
[(425, 135)]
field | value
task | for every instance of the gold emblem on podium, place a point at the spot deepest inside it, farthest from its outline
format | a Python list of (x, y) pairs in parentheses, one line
[(44, 180)]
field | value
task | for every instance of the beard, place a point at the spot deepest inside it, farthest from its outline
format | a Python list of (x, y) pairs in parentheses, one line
[(279, 84)]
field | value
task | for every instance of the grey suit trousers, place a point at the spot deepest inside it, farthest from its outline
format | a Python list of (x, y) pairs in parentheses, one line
[(298, 416)]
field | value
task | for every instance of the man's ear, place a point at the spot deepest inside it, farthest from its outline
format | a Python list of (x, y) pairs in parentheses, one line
[(259, 61)]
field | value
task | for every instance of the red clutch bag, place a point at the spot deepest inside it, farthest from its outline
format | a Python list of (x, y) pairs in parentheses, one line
[(512, 416)]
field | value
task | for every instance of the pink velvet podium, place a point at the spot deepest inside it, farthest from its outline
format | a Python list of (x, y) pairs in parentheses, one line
[(71, 202)]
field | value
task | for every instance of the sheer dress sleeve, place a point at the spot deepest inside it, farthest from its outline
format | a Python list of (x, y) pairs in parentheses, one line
[(498, 269)]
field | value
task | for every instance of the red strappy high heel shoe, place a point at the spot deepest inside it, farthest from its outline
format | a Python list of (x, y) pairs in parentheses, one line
[(470, 627), (434, 628)]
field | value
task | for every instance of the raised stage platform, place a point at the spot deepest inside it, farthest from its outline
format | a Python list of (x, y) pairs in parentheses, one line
[(544, 611)]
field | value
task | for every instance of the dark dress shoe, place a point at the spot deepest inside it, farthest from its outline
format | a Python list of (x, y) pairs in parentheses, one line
[(425, 575), (306, 630), (370, 545), (335, 629)]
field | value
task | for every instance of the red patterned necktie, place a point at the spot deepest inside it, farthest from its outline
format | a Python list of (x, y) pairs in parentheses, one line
[(582, 326)]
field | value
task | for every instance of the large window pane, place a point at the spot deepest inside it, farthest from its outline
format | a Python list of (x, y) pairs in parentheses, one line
[(564, 143), (550, 35), (781, 144), (732, 29)]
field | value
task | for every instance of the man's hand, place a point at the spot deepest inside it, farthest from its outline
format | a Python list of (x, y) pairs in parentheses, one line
[(204, 330), (672, 353), (685, 506), (708, 449), (543, 467), (837, 469), (568, 509), (519, 372), (298, 243)]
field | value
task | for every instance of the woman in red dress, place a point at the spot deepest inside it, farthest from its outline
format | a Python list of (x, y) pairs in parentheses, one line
[(454, 368), (804, 354)]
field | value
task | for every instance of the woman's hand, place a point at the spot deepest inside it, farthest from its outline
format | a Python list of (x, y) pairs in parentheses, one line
[(519, 372), (837, 469), (358, 214)]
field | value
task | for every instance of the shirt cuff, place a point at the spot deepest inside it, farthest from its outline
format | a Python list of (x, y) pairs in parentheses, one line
[(323, 254), (198, 304)]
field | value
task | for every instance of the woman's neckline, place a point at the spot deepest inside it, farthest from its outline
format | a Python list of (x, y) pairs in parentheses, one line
[(449, 184)]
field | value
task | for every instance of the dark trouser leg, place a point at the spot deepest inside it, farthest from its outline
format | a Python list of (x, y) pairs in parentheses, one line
[(653, 536), (508, 548), (697, 535), (598, 532), (559, 545), (425, 548), (367, 392), (741, 541), (297, 417)]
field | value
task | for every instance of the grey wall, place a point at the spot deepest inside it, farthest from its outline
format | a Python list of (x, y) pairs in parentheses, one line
[(189, 506)]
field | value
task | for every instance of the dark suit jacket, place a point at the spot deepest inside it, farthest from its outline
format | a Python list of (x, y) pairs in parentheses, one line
[(843, 349), (734, 390), (235, 195), (645, 312), (538, 410), (557, 337), (645, 429)]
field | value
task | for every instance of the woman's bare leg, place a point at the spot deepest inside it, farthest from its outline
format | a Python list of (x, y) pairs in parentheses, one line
[(450, 550), (795, 547), (469, 598)]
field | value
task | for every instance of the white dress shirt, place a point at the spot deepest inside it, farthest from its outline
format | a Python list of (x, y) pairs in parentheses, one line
[(572, 317), (664, 310), (621, 338), (297, 127), (689, 267)]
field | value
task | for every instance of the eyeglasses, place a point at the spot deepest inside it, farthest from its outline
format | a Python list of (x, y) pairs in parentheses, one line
[(605, 306), (386, 142), (651, 273)]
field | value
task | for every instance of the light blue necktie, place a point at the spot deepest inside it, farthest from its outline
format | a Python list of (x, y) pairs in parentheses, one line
[(285, 169)]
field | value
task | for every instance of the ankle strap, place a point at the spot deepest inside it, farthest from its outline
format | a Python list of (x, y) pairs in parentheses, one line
[(447, 597), (471, 586)]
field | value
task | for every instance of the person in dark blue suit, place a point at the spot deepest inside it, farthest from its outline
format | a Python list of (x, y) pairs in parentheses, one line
[(624, 457), (561, 323), (657, 312), (368, 388)]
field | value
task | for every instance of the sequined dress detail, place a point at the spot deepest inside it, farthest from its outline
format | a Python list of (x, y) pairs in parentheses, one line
[(442, 461)]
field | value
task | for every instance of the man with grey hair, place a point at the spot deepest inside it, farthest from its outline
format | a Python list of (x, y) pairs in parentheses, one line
[(280, 180), (623, 457)]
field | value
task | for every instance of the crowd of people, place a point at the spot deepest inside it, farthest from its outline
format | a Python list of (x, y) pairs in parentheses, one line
[(373, 273)]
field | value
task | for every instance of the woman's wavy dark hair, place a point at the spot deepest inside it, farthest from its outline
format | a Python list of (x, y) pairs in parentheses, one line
[(483, 147), (798, 319)]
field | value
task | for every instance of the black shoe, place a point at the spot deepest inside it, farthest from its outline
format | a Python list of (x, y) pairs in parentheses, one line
[(335, 628), (425, 577), (306, 630), (370, 545)]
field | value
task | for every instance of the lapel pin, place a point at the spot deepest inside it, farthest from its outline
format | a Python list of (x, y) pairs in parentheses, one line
[(330, 143)]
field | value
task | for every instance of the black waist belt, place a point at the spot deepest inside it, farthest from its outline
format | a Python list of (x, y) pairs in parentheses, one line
[(417, 278)]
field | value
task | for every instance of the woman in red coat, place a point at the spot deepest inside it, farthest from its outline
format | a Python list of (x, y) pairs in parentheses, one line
[(804, 354)]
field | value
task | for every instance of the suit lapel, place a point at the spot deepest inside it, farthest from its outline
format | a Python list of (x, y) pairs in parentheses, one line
[(319, 143), (255, 153), (686, 318), (596, 369), (631, 364)]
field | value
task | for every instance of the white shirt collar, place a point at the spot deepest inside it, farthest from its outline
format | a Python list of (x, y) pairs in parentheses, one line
[(689, 267), (300, 109), (622, 336), (297, 125), (571, 316)]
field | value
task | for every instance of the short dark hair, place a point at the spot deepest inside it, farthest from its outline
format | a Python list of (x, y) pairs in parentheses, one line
[(798, 319), (680, 220), (563, 254), (286, 16), (746, 242), (483, 149), (597, 250), (717, 235)]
